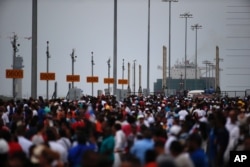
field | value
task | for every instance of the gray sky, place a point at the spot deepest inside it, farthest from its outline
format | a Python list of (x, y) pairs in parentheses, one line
[(87, 25)]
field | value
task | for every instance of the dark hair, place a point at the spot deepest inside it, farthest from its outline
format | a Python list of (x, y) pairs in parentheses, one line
[(195, 138), (176, 147), (117, 126)]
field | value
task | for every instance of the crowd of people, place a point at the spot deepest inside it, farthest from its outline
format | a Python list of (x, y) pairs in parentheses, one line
[(139, 131)]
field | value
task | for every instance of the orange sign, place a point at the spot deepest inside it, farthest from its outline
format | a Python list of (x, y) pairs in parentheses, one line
[(122, 81), (47, 76), (92, 79), (108, 80), (73, 78), (14, 73)]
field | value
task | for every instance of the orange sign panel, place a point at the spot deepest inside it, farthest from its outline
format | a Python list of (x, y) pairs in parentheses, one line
[(108, 80), (92, 79), (73, 78), (47, 76), (122, 81), (10, 73)]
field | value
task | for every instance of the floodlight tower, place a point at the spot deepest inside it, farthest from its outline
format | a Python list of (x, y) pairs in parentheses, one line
[(196, 27), (169, 41), (47, 68), (108, 62), (92, 71), (73, 60), (186, 16)]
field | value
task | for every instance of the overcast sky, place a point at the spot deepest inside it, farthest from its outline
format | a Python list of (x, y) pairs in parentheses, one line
[(87, 25)]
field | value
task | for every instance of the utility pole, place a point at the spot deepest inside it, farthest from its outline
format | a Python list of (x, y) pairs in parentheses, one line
[(169, 42), (217, 67), (123, 69), (73, 59), (140, 88), (15, 50), (115, 48), (47, 67), (92, 71), (148, 50), (134, 78), (108, 62), (206, 62), (34, 51), (129, 89), (196, 27), (186, 16)]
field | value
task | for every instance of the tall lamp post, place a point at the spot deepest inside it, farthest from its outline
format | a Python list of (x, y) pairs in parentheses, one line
[(73, 59), (47, 81), (14, 66), (196, 27), (123, 69), (92, 71), (148, 49), (169, 42), (108, 62), (115, 49), (134, 77), (186, 16)]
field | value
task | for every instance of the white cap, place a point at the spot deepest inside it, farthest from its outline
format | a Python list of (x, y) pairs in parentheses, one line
[(4, 147), (175, 130)]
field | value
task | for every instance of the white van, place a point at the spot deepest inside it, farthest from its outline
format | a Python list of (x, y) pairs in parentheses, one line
[(193, 93)]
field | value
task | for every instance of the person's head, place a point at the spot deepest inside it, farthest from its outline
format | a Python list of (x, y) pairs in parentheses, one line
[(233, 115), (130, 161), (247, 143), (51, 134), (194, 142), (176, 148), (150, 156)]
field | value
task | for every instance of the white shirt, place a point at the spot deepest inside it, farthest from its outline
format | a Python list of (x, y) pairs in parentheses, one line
[(183, 160), (120, 140), (25, 144), (65, 142), (5, 118), (169, 141), (183, 113), (34, 113), (234, 135), (60, 149)]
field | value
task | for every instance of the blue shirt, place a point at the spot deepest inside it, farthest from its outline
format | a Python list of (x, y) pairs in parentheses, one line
[(76, 153), (199, 158), (140, 147)]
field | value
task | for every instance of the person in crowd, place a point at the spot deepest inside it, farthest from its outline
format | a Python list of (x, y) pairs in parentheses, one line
[(197, 154), (172, 136), (76, 153), (108, 144), (222, 138), (141, 146), (4, 150), (120, 143), (24, 142), (181, 157)]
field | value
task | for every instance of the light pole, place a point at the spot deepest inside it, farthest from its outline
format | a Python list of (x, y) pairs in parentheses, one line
[(206, 62), (92, 71), (169, 42), (134, 77), (186, 16), (47, 81), (14, 66), (148, 49), (123, 69), (115, 48), (73, 59), (108, 62), (196, 27)]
